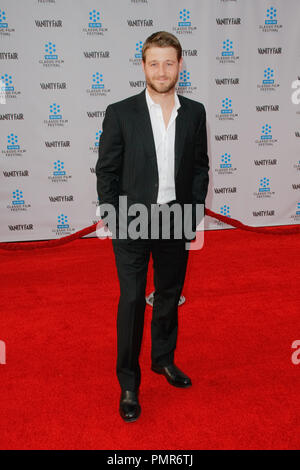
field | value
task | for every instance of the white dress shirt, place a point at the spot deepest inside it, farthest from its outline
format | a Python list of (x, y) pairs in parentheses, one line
[(164, 139)]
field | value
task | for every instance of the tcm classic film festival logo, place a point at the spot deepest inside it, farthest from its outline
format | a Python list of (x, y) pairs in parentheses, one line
[(225, 166), (5, 29), (271, 21), (297, 165), (227, 55), (223, 210), (7, 88), (18, 203), (50, 56), (95, 26), (185, 85), (266, 136), (13, 146), (97, 85), (55, 116), (268, 82), (184, 23), (136, 59), (63, 226), (94, 147), (59, 172), (264, 189), (296, 215), (226, 112)]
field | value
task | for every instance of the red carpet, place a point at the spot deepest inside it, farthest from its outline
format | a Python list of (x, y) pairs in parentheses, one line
[(58, 388)]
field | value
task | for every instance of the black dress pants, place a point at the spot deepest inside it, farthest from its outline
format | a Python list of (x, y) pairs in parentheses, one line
[(169, 265)]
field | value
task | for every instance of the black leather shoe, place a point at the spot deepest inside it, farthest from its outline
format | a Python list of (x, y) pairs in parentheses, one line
[(173, 375), (130, 408)]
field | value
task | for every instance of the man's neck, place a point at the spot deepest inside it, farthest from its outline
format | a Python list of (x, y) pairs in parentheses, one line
[(166, 100)]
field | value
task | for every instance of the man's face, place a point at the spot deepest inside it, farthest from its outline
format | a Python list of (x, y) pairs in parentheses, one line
[(161, 68)]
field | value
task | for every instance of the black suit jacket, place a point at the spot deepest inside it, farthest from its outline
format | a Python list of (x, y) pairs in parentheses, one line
[(127, 163)]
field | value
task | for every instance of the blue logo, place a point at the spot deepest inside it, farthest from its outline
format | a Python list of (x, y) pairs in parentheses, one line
[(59, 168), (8, 84), (266, 132), (62, 221), (17, 198), (97, 81), (227, 48), (12, 142), (50, 51), (225, 161), (225, 210), (98, 135), (184, 17), (298, 209), (268, 76), (55, 111), (94, 17), (271, 16), (264, 185), (3, 23), (184, 78), (138, 50), (226, 106)]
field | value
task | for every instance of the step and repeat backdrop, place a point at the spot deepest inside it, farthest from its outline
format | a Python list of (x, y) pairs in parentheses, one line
[(63, 61)]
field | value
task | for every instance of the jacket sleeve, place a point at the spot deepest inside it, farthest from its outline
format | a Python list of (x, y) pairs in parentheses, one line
[(201, 165), (110, 159)]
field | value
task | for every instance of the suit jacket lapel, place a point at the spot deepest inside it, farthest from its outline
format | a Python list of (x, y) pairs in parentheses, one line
[(181, 128), (145, 127)]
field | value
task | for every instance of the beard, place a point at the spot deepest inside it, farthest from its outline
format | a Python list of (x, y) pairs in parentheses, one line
[(162, 87)]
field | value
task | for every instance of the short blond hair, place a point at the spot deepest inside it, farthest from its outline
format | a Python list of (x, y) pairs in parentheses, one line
[(162, 39)]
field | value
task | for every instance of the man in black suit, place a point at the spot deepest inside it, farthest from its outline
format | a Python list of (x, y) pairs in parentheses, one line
[(153, 150)]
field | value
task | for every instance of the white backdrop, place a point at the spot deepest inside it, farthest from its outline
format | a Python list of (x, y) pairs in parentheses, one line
[(63, 61)]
